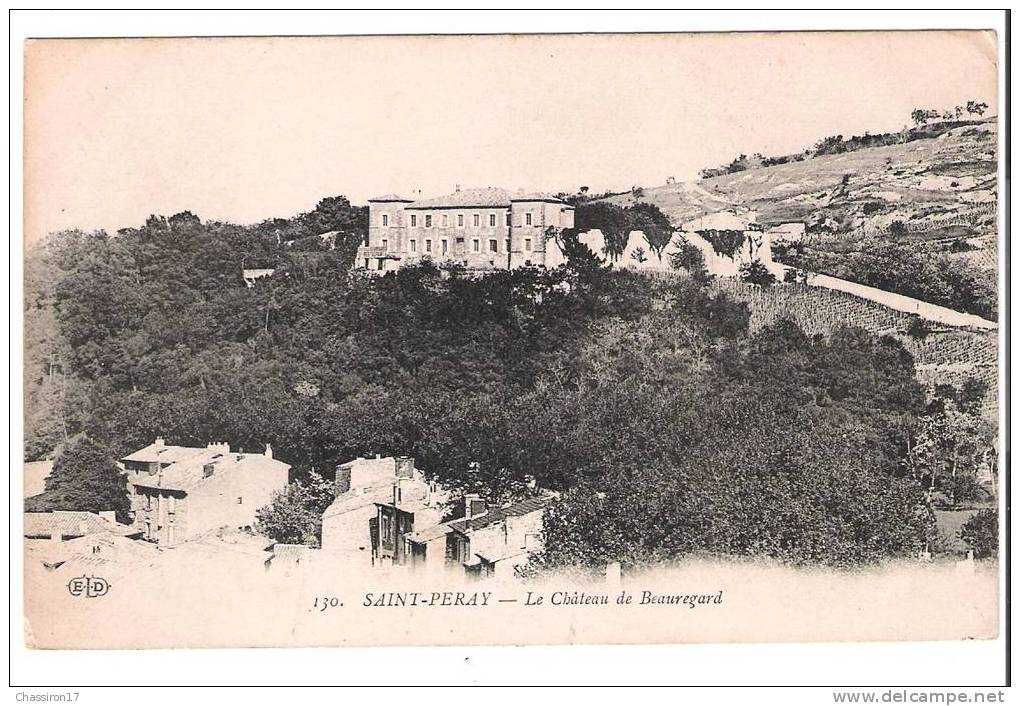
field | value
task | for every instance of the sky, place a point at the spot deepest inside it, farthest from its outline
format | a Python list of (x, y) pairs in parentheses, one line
[(243, 129)]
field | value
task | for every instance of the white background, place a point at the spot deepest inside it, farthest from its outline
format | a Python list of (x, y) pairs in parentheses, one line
[(917, 664)]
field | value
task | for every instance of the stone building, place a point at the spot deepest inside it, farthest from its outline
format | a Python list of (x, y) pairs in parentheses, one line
[(486, 542), (480, 229), (378, 500), (178, 492)]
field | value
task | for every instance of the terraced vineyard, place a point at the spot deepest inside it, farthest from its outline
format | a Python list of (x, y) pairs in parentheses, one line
[(947, 355)]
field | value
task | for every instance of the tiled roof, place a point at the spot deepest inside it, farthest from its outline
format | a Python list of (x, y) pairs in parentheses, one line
[(188, 473), (71, 524), (498, 514), (163, 453), (357, 499), (489, 197), (430, 533), (390, 198)]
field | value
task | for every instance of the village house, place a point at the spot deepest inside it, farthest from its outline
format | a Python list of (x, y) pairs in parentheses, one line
[(178, 492), (61, 525), (375, 499), (482, 229), (484, 543), (84, 539)]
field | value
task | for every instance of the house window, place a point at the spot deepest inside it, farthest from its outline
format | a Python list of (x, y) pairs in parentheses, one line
[(428, 245), (460, 220), (240, 501), (445, 246), (493, 245), (414, 220), (428, 220), (446, 220), (527, 244), (387, 530), (508, 218), (414, 245), (385, 219), (492, 220), (477, 220), (475, 245), (527, 219), (382, 263), (385, 245)]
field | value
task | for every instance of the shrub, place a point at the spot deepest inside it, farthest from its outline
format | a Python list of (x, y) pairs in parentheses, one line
[(981, 534), (756, 273)]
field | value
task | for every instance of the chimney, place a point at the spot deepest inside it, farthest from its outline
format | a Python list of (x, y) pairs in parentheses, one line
[(109, 515), (269, 451), (159, 442), (404, 467), (456, 188), (474, 506), (83, 528)]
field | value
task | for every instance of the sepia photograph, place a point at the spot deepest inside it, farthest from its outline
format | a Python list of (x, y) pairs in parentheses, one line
[(483, 339)]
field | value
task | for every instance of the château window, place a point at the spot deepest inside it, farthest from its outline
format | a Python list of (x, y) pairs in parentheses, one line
[(428, 245), (492, 220), (527, 244), (508, 244), (414, 220), (477, 222), (475, 245), (527, 219), (385, 219), (460, 220), (385, 245), (428, 220), (446, 220), (493, 245), (414, 245), (445, 246)]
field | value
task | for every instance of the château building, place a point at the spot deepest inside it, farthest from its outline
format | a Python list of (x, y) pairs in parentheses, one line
[(486, 228)]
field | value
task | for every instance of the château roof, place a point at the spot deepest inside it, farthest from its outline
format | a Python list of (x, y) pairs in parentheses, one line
[(390, 198), (489, 197)]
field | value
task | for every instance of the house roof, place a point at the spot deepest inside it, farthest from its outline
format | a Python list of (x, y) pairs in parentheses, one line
[(498, 514), (430, 533), (389, 198), (163, 453), (71, 524), (187, 473), (357, 499), (79, 552), (489, 197), (491, 557)]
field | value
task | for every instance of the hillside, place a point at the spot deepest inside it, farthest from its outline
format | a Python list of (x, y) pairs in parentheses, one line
[(860, 193), (912, 213)]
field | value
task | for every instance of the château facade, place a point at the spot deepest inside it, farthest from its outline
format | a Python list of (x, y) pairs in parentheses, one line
[(486, 228)]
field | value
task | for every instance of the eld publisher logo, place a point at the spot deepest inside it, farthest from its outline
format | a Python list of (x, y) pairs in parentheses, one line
[(88, 586)]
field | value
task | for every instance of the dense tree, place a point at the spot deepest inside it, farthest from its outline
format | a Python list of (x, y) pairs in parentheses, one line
[(981, 534), (295, 515), (84, 478), (647, 403)]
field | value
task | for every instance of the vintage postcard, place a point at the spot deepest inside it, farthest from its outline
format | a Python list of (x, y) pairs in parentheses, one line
[(511, 339)]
